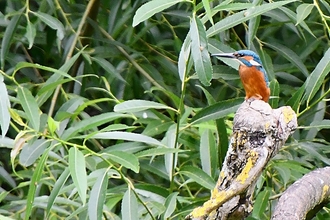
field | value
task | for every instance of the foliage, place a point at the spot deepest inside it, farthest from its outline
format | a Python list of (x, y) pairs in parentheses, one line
[(113, 109)]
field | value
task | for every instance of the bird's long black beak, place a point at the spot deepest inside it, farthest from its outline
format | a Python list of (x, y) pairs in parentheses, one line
[(226, 55)]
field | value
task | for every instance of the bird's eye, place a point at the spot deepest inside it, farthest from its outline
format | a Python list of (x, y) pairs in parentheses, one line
[(238, 54)]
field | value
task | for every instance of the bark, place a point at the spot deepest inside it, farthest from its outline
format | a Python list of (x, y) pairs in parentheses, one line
[(258, 133), (304, 195)]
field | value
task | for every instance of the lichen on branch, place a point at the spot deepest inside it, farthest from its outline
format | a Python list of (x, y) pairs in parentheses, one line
[(258, 133)]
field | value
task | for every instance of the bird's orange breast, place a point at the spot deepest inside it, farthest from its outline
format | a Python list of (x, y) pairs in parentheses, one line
[(254, 83)]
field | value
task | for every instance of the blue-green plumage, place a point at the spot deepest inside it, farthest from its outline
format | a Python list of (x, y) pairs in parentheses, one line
[(242, 53), (253, 75)]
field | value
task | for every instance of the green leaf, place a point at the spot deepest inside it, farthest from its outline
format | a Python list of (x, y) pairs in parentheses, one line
[(90, 123), (127, 136), (240, 17), (206, 4), (4, 108), (208, 152), (150, 8), (150, 189), (56, 77), (284, 173), (170, 204), (303, 11), (184, 58), (29, 106), (312, 149), (324, 124), (157, 169), (52, 22), (216, 46), (77, 168), (155, 126), (132, 106), (34, 183), (209, 97), (51, 86), (316, 115), (299, 166), (290, 55), (222, 140), (56, 189), (170, 159), (157, 151), (175, 99), (316, 78), (253, 26), (157, 208), (252, 30), (7, 37), (7, 178), (53, 125), (224, 72), (275, 92), (294, 101), (199, 52), (129, 206), (293, 18), (231, 6), (2, 217), (325, 4), (30, 33), (81, 211), (260, 204), (218, 110), (125, 159), (97, 196), (113, 201), (108, 67), (129, 147), (32, 151), (22, 65), (199, 176), (88, 103), (310, 48)]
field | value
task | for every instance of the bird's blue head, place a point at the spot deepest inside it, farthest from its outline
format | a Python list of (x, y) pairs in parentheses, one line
[(247, 58)]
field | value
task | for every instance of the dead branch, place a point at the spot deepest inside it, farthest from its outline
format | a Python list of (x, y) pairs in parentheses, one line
[(258, 133), (305, 194)]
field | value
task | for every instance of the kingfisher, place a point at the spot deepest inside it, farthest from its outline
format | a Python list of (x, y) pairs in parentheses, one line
[(253, 75)]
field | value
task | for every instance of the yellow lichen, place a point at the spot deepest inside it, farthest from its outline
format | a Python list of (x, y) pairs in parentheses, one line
[(214, 192), (288, 114), (253, 155), (245, 172), (267, 125), (221, 196), (324, 191), (212, 204), (222, 174)]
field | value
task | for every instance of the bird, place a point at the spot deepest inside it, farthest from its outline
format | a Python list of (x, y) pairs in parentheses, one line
[(253, 76)]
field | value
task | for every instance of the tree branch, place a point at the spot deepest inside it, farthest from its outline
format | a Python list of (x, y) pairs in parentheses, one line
[(304, 195), (258, 134)]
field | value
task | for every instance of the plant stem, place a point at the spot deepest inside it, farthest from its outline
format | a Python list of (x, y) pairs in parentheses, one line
[(133, 62), (313, 104), (70, 52), (316, 4)]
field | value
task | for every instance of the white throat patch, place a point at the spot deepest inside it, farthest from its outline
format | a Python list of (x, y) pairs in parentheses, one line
[(254, 63)]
